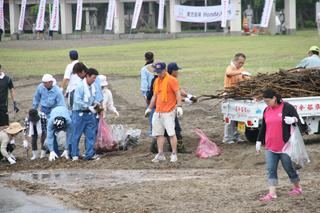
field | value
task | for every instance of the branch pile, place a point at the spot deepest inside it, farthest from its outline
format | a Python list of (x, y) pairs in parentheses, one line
[(287, 83)]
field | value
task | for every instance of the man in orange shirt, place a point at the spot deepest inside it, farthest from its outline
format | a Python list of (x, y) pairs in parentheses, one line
[(167, 99), (234, 74)]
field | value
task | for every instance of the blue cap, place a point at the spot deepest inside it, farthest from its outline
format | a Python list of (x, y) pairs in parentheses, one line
[(73, 54), (173, 67), (159, 67)]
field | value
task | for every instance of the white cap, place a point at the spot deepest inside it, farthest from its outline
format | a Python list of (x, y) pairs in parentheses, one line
[(47, 78), (103, 80)]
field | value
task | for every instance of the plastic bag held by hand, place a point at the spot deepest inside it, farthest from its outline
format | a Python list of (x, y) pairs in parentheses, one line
[(295, 148), (104, 141), (206, 148)]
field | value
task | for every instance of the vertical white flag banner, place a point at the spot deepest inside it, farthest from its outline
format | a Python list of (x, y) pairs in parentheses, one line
[(54, 21), (136, 13), (161, 14), (40, 17), (266, 13), (79, 15), (224, 15), (22, 14), (1, 15), (110, 15)]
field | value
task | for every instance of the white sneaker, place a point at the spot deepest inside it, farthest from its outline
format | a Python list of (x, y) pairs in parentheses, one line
[(230, 142), (239, 140), (173, 158), (75, 158), (96, 157), (43, 154), (35, 155), (158, 157)]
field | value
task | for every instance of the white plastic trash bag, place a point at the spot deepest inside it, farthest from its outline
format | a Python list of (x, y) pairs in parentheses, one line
[(295, 148), (118, 133)]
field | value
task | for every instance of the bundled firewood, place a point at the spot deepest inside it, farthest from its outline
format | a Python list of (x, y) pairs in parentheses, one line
[(287, 83)]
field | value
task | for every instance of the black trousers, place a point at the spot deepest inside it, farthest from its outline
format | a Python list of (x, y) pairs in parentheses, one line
[(4, 118)]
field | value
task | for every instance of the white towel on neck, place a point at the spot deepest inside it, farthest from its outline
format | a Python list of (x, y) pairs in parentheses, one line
[(87, 93), (38, 126)]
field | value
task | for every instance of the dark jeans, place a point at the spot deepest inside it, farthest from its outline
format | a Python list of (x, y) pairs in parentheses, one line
[(272, 160)]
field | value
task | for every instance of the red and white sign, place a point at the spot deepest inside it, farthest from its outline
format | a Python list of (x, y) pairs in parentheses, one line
[(54, 22), (1, 15), (136, 13), (79, 15), (161, 14), (266, 13), (40, 17), (224, 9), (110, 15), (22, 14)]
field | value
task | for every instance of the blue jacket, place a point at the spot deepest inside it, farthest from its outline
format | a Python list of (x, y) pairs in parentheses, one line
[(146, 78), (48, 98), (60, 111), (79, 103), (310, 62)]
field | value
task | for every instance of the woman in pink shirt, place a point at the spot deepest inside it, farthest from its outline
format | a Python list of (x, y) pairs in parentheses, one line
[(275, 132)]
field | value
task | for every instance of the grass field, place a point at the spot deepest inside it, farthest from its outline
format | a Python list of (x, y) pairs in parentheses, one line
[(203, 59)]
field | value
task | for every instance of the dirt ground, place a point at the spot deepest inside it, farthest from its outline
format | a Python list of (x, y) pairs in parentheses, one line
[(231, 182)]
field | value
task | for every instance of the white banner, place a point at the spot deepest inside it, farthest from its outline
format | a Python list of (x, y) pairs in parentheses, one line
[(136, 14), (224, 9), (22, 14), (161, 14), (79, 15), (110, 15), (1, 15), (40, 17), (266, 13), (54, 22), (201, 14)]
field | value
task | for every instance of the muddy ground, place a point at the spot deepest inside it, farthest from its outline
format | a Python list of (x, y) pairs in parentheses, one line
[(129, 182)]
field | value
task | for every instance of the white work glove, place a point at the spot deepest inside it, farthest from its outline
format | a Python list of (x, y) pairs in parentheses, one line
[(188, 101), (290, 120), (91, 108), (146, 113), (13, 157), (245, 73), (25, 144), (12, 141), (116, 113), (179, 112), (189, 96), (11, 161), (65, 154), (52, 156), (258, 147)]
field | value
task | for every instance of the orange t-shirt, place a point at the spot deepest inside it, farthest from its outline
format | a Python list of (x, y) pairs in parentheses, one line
[(173, 87), (230, 81)]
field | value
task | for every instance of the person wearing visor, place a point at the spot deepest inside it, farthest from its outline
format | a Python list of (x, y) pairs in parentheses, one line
[(35, 125), (167, 100), (313, 59), (7, 141), (59, 133), (275, 133), (47, 95)]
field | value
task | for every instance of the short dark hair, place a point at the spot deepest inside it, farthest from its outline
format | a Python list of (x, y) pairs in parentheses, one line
[(92, 71), (149, 56), (269, 93), (313, 52), (79, 67), (239, 55)]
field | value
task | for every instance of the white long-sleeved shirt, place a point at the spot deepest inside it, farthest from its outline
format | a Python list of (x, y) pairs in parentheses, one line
[(107, 102)]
